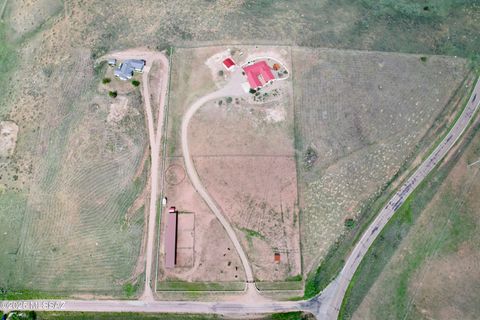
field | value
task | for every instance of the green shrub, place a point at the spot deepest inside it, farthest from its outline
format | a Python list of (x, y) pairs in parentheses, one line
[(106, 80), (169, 51), (129, 290), (298, 277), (423, 59), (309, 158), (229, 99), (136, 83), (349, 223), (112, 94)]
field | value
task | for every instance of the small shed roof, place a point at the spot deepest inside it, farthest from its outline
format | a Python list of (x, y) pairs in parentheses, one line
[(276, 257), (229, 63)]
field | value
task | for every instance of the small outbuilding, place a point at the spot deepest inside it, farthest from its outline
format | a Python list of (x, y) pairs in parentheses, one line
[(229, 64), (276, 257), (112, 62)]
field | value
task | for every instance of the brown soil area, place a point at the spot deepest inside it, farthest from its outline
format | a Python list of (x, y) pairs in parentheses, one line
[(244, 155), (208, 255), (258, 195)]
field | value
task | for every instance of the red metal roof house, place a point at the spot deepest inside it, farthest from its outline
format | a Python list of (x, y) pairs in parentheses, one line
[(229, 64), (171, 239), (258, 74)]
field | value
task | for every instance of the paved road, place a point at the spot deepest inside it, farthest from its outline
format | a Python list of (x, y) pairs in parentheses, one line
[(336, 290), (232, 89), (227, 308)]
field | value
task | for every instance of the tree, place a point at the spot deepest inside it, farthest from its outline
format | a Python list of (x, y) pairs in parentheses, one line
[(112, 94), (135, 83), (106, 80)]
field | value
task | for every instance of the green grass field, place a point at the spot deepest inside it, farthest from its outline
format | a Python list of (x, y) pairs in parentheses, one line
[(8, 59)]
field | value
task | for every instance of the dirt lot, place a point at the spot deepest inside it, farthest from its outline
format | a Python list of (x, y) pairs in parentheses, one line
[(205, 252), (247, 163), (435, 267), (363, 115), (243, 151)]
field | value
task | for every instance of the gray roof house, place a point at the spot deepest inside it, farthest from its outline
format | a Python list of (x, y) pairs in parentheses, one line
[(136, 64), (126, 69)]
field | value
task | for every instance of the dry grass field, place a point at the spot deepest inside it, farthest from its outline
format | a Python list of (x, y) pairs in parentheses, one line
[(363, 114), (75, 171), (70, 233), (433, 272)]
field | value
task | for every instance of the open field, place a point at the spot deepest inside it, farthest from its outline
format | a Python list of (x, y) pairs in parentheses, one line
[(70, 182), (361, 115), (424, 264), (72, 233), (437, 27)]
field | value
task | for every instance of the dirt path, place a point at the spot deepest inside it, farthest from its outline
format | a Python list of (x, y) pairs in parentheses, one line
[(232, 89), (154, 135), (2, 10)]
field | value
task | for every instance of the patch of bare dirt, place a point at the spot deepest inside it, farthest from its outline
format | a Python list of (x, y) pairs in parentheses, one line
[(118, 110), (8, 138), (258, 195), (244, 154), (205, 253)]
